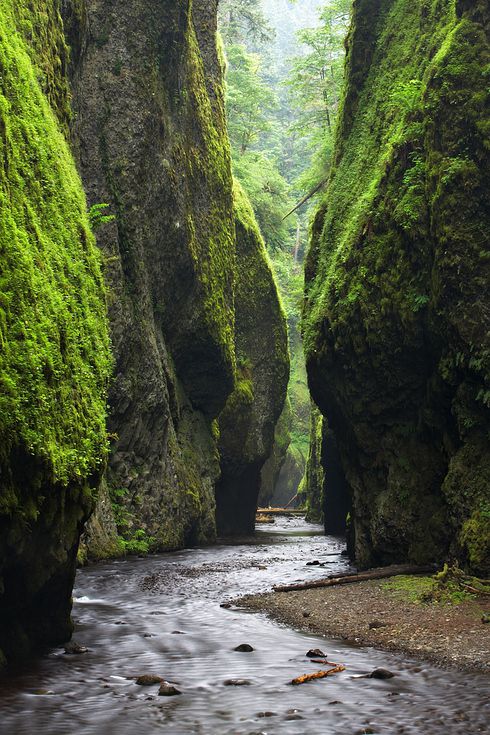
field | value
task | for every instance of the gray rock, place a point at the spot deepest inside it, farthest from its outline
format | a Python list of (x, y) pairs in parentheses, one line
[(168, 690), (147, 680)]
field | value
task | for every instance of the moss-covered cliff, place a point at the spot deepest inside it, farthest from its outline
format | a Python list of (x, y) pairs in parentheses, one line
[(396, 320), (150, 135), (54, 350), (247, 422)]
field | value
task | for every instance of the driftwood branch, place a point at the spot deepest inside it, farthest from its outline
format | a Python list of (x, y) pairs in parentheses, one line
[(318, 675), (347, 578)]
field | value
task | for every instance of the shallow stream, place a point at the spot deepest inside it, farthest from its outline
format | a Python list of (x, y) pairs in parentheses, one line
[(162, 615)]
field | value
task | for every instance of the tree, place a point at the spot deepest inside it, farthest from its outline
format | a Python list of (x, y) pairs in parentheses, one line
[(315, 83), (242, 22), (249, 101)]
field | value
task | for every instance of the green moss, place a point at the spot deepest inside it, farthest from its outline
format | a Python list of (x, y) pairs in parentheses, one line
[(211, 235), (396, 303), (414, 589), (475, 538), (55, 361), (252, 410)]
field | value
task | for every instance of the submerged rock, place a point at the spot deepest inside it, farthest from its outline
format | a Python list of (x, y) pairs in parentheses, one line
[(237, 682), (75, 648), (381, 674), (168, 690), (147, 680)]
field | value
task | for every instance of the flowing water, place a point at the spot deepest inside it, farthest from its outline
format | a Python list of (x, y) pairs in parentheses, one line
[(162, 615)]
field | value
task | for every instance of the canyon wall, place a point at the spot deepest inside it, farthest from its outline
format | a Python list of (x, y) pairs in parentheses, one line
[(397, 314), (54, 346)]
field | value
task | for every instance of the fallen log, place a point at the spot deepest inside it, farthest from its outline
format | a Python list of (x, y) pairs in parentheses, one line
[(318, 675), (348, 577)]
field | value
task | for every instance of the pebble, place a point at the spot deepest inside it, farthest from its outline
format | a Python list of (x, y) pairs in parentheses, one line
[(315, 653), (73, 648), (168, 690), (377, 624), (244, 648), (147, 680)]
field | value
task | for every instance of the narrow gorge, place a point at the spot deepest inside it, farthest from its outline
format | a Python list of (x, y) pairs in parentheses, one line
[(153, 314)]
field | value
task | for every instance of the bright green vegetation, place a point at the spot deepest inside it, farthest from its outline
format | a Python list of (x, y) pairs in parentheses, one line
[(129, 541), (448, 587), (54, 347), (54, 361), (396, 318)]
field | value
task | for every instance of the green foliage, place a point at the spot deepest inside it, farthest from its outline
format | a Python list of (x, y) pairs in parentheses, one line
[(315, 83), (96, 216), (450, 586), (242, 21), (55, 360), (129, 539)]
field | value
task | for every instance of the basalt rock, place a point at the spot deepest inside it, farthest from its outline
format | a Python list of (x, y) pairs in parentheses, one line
[(397, 313), (272, 468), (54, 356), (149, 134), (247, 423)]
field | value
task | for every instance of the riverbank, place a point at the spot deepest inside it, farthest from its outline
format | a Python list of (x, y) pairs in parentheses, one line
[(390, 614)]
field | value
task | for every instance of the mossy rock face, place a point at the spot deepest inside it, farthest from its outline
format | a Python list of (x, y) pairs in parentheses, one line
[(272, 467), (54, 354), (396, 324), (149, 131), (311, 488), (248, 420)]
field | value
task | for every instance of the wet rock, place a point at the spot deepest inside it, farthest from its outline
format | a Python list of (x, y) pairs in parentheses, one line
[(315, 563), (366, 731), (75, 648), (315, 653), (381, 674), (244, 648), (237, 683), (377, 624), (178, 632), (226, 605), (42, 692), (168, 690), (294, 716), (266, 714), (147, 680)]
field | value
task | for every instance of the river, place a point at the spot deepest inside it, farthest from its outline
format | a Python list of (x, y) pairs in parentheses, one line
[(161, 615)]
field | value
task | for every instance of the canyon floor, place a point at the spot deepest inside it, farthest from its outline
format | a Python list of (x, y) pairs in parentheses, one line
[(388, 614)]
